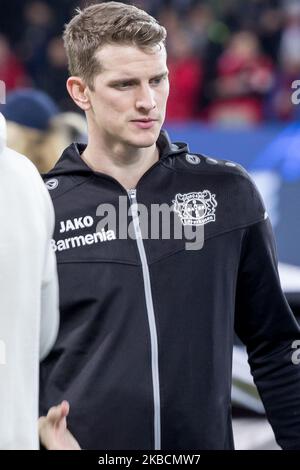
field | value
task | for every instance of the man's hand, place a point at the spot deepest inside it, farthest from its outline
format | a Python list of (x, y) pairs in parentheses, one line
[(53, 430)]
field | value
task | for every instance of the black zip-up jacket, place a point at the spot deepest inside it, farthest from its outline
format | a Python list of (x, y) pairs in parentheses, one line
[(144, 350)]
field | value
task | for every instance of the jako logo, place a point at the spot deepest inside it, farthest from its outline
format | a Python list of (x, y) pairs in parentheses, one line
[(75, 224), (51, 184)]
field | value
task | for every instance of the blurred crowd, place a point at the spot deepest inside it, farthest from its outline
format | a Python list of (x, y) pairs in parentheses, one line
[(230, 61)]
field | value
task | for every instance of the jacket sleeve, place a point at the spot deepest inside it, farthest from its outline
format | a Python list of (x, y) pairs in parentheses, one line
[(266, 325), (49, 293)]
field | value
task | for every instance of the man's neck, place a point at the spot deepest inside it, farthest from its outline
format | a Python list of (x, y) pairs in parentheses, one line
[(127, 166)]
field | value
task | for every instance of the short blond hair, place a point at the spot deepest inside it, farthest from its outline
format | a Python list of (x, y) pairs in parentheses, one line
[(102, 24)]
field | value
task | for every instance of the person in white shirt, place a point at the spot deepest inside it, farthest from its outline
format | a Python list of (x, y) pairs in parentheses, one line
[(29, 315)]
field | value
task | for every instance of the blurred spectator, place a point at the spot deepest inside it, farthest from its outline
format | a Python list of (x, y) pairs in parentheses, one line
[(12, 72), (290, 41), (279, 104), (208, 35), (170, 20), (39, 23), (200, 22), (36, 128), (54, 75), (269, 29), (186, 78), (245, 75)]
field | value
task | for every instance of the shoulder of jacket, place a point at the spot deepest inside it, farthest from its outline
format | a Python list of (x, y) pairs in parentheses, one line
[(228, 180), (197, 162), (60, 184)]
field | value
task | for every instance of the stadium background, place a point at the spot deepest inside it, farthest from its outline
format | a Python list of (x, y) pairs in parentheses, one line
[(232, 64)]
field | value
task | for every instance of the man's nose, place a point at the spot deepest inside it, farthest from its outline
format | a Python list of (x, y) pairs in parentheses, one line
[(145, 99)]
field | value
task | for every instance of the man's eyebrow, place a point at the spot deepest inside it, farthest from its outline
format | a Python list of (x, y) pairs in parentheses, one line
[(162, 74), (135, 79)]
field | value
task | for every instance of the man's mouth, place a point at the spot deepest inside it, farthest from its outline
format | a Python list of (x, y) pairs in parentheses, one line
[(144, 120), (144, 123)]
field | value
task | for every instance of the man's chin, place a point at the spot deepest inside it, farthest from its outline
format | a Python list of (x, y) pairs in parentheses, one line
[(145, 139)]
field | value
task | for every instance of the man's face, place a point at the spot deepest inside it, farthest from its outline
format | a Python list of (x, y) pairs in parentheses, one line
[(128, 103)]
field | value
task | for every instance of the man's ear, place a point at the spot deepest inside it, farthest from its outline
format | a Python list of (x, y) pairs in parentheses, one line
[(78, 91)]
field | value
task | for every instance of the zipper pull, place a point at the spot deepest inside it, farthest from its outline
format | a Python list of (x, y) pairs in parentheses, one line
[(132, 194)]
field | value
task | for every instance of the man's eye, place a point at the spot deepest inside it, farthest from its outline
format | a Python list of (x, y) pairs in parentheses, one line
[(156, 81), (124, 84)]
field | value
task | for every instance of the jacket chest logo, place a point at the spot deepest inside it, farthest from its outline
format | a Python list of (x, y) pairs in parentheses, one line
[(76, 223), (196, 208)]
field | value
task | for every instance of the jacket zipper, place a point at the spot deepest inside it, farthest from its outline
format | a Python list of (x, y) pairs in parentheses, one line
[(151, 319)]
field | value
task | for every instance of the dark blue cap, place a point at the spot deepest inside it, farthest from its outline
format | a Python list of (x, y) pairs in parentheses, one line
[(30, 108)]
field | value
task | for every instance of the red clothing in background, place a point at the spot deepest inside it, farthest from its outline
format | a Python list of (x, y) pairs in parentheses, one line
[(186, 83)]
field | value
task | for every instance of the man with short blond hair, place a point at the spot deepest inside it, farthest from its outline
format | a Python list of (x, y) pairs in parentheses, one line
[(145, 346)]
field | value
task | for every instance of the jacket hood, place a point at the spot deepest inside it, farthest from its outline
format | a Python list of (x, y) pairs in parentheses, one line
[(71, 162)]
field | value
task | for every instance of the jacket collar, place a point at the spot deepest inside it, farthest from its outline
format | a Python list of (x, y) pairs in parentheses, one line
[(71, 161)]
